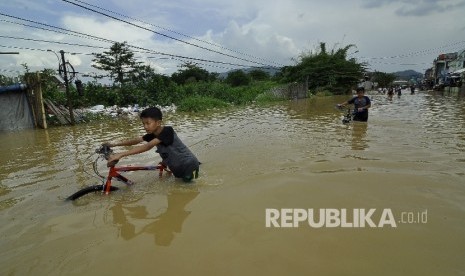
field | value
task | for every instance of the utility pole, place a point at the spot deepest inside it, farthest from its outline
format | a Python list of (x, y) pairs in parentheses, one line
[(65, 73)]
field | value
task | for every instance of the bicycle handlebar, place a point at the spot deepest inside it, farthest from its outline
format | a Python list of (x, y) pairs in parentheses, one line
[(105, 151)]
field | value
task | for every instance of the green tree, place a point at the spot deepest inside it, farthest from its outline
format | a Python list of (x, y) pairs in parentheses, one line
[(26, 67), (326, 70), (142, 73), (5, 80), (259, 75), (158, 89), (383, 79), (50, 86), (119, 62), (190, 72), (238, 78)]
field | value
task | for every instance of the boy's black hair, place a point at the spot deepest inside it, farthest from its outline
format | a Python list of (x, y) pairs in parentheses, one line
[(361, 89), (152, 112)]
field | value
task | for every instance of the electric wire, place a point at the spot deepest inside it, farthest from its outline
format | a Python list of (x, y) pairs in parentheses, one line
[(82, 35), (79, 34), (146, 51), (422, 52), (176, 32), (167, 36)]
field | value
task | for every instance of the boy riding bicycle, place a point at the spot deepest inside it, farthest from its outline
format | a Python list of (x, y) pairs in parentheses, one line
[(177, 156)]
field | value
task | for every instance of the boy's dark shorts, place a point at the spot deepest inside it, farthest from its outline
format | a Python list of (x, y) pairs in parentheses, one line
[(194, 175), (361, 117)]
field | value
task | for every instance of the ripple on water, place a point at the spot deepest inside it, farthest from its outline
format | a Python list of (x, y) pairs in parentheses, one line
[(290, 154)]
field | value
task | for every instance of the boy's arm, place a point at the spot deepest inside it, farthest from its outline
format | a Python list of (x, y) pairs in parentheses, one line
[(129, 142), (343, 104), (351, 101), (361, 109), (135, 150)]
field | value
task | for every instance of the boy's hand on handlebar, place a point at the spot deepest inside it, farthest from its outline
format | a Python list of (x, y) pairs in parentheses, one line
[(113, 159)]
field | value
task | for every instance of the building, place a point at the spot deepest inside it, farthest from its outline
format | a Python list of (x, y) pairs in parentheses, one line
[(458, 63), (441, 67)]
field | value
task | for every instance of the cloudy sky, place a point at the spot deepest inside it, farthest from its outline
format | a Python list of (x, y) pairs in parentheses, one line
[(220, 35)]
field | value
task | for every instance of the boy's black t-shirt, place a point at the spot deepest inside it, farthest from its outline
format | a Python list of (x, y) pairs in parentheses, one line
[(364, 101), (179, 159), (166, 136)]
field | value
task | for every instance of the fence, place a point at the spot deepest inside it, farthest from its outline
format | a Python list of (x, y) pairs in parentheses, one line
[(34, 94), (291, 91)]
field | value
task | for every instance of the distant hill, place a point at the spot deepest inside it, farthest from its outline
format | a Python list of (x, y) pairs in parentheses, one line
[(269, 70), (401, 75), (408, 75)]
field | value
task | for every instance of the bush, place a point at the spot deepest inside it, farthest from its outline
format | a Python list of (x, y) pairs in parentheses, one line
[(266, 98), (161, 90), (200, 103), (238, 78)]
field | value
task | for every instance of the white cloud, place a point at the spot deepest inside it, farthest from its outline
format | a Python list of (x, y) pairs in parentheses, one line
[(112, 30), (260, 30)]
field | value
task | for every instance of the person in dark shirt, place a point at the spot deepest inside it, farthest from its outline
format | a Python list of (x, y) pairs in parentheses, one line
[(412, 89), (175, 155), (361, 104)]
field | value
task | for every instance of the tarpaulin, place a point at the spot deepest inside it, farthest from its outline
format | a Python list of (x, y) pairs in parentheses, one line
[(15, 112)]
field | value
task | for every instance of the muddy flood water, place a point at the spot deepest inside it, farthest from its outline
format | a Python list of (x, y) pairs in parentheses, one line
[(387, 196)]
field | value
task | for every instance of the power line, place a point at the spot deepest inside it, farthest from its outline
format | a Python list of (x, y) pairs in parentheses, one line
[(55, 27), (172, 57), (164, 35), (205, 64), (160, 27), (418, 53), (146, 51), (42, 50), (69, 32), (55, 42), (175, 32), (36, 49), (397, 63), (83, 35)]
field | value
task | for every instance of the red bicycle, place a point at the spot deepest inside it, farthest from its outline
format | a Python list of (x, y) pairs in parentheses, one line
[(104, 152)]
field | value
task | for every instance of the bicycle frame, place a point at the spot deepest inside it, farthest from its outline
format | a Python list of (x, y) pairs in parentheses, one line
[(114, 173), (348, 117)]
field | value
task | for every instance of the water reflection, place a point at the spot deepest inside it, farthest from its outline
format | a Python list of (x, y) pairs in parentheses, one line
[(163, 227), (359, 133)]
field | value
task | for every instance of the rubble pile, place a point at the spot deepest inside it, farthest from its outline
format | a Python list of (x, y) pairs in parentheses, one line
[(115, 110)]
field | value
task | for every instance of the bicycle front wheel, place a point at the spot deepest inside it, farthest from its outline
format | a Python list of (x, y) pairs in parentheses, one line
[(90, 189)]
